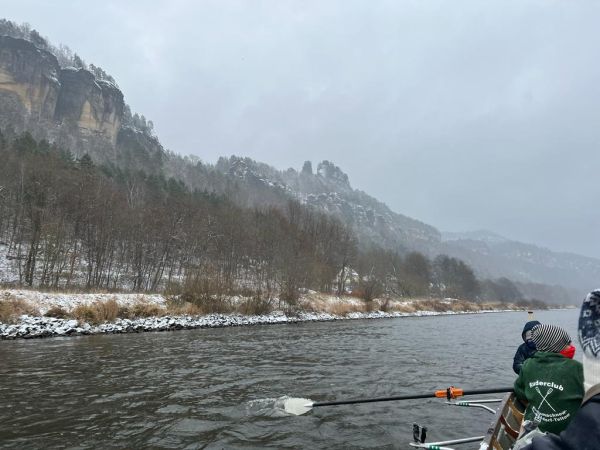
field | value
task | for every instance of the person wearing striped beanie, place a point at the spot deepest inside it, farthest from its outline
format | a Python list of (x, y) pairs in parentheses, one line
[(527, 348), (551, 382), (583, 433), (550, 338)]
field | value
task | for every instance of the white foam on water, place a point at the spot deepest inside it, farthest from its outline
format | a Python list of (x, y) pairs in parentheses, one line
[(268, 407)]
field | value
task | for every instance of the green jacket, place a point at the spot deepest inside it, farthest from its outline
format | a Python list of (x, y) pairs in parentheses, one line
[(553, 386)]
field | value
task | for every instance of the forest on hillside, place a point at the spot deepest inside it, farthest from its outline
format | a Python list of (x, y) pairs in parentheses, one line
[(139, 160), (69, 223)]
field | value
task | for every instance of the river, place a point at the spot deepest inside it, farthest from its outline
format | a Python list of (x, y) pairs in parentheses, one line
[(222, 388)]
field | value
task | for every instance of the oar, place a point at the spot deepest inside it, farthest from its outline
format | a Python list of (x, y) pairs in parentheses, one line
[(301, 406), (439, 445)]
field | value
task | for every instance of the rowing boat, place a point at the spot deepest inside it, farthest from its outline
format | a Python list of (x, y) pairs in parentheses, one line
[(501, 435)]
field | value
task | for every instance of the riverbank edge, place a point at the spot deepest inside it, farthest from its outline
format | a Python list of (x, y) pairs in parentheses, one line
[(32, 327)]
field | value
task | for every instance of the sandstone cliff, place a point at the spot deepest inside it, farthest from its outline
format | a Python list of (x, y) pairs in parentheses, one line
[(29, 84), (68, 106), (95, 106)]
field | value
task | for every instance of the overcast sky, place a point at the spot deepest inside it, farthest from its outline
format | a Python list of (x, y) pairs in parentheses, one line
[(464, 114)]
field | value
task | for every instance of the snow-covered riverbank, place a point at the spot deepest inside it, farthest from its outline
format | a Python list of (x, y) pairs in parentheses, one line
[(29, 327), (38, 314)]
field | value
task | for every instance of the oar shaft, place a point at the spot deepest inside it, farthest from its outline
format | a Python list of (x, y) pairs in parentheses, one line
[(371, 400), (450, 442), (488, 391), (407, 397)]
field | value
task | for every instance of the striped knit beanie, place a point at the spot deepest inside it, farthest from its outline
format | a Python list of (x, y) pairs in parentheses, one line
[(549, 338), (589, 337)]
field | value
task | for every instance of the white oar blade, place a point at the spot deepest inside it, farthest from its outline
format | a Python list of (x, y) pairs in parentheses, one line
[(297, 406)]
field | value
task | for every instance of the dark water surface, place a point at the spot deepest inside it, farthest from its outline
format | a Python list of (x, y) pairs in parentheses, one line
[(219, 388)]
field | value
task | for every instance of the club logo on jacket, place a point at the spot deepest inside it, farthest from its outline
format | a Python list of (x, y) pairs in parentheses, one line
[(542, 407)]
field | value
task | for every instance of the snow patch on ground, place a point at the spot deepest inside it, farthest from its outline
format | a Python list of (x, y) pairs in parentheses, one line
[(43, 301)]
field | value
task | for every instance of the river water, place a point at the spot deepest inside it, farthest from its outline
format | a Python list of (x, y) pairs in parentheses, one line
[(224, 388)]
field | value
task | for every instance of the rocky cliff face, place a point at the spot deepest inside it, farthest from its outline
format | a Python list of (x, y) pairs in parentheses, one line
[(67, 106), (29, 84), (329, 190), (94, 106)]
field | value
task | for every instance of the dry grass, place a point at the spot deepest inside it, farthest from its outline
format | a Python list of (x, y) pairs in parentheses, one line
[(409, 306), (208, 291), (463, 305), (202, 302), (501, 306), (98, 312), (343, 309), (94, 313), (404, 307), (434, 305), (108, 310), (385, 304), (255, 306), (339, 306), (58, 313), (145, 309), (11, 308), (85, 313), (439, 305), (207, 303), (178, 308)]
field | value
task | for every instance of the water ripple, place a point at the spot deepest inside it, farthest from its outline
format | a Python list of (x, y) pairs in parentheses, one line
[(226, 388)]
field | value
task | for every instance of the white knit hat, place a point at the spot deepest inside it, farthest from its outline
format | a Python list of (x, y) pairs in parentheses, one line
[(589, 337)]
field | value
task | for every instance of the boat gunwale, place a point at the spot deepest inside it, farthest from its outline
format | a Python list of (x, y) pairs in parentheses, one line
[(499, 420)]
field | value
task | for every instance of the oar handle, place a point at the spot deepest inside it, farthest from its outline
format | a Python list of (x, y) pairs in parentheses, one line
[(449, 393)]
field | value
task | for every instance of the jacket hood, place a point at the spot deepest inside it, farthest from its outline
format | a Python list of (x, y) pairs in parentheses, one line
[(528, 326)]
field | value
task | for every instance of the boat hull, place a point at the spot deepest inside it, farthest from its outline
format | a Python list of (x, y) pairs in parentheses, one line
[(504, 429)]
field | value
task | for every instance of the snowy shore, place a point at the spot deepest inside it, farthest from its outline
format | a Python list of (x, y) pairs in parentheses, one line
[(36, 320), (37, 327)]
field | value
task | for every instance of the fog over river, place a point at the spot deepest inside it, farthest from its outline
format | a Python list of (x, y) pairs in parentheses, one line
[(224, 388)]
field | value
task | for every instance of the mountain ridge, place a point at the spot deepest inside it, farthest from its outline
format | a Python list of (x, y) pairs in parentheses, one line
[(491, 254)]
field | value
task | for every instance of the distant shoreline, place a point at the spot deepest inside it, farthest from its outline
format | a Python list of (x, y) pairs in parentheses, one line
[(37, 314), (30, 327)]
